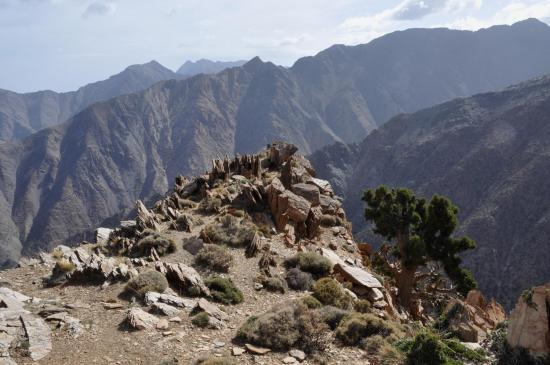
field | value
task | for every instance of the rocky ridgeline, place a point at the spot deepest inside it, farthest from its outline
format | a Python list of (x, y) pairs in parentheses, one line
[(262, 221)]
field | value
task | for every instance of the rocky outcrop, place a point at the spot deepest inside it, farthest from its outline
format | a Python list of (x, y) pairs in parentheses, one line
[(529, 324)]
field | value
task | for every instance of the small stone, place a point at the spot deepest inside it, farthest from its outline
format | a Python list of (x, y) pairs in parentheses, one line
[(237, 351), (113, 306), (289, 360), (167, 333), (162, 324), (175, 319), (298, 354), (258, 286), (256, 350), (219, 344)]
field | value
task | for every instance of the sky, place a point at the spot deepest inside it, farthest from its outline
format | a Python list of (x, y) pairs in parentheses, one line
[(64, 44)]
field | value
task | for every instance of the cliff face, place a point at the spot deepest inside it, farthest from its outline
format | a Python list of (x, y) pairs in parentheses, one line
[(490, 154)]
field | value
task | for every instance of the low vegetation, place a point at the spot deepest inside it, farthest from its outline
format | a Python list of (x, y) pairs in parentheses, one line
[(162, 244), (286, 326), (223, 290), (214, 257), (201, 320), (210, 205), (275, 284), (310, 262), (229, 231), (298, 279), (358, 326), (329, 292), (148, 281)]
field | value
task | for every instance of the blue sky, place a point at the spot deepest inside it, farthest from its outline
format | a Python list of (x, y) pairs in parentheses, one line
[(64, 44)]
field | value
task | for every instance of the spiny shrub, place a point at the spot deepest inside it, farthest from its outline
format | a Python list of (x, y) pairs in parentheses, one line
[(162, 244), (298, 279), (311, 302), (214, 257), (147, 281), (310, 262), (357, 326), (332, 316), (275, 284), (289, 325), (329, 292), (223, 290), (201, 320), (328, 220), (362, 306), (230, 231), (217, 361), (210, 205), (426, 349), (64, 266), (62, 269)]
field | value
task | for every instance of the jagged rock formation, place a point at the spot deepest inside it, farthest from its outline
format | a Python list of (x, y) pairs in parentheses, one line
[(60, 183), (489, 154), (24, 114)]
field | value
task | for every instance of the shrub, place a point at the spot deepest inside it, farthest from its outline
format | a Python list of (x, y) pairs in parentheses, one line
[(288, 325), (356, 326), (186, 203), (311, 302), (147, 281), (201, 320), (210, 205), (328, 220), (426, 349), (373, 344), (329, 292), (275, 284), (230, 231), (162, 244), (223, 290), (299, 280), (332, 316), (64, 266), (60, 272), (310, 262), (362, 306), (512, 356), (214, 257)]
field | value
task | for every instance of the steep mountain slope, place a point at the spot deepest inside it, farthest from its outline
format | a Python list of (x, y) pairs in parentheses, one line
[(491, 155), (24, 114), (64, 181), (203, 66)]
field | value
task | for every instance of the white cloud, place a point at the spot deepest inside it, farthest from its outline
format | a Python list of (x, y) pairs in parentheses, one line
[(99, 7), (510, 14)]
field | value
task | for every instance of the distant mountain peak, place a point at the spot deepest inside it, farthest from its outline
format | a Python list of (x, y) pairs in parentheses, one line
[(206, 66)]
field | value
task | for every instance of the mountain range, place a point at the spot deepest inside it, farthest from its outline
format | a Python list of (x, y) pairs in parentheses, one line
[(24, 114), (490, 154), (203, 66), (61, 182)]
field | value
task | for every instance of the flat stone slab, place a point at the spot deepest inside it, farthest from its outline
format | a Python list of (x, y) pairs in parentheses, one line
[(358, 276), (39, 336)]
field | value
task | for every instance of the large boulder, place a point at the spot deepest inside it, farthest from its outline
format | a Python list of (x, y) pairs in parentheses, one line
[(309, 192), (529, 321)]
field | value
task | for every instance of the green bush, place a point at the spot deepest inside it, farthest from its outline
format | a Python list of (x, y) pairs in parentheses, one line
[(214, 257), (357, 326), (210, 205), (275, 284), (223, 290), (230, 231), (217, 361), (329, 220), (298, 279), (310, 262), (148, 281), (311, 302), (289, 325), (362, 306), (332, 316), (162, 244), (201, 320), (426, 349), (512, 356), (329, 292)]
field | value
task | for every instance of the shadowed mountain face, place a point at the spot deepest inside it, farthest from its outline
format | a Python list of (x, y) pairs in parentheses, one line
[(203, 66), (490, 154), (24, 114), (64, 181)]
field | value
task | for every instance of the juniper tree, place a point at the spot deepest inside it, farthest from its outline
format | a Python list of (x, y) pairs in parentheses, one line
[(419, 232)]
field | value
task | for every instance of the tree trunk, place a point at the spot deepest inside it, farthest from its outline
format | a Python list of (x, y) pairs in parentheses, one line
[(406, 278)]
